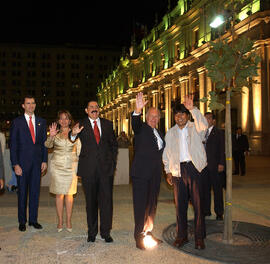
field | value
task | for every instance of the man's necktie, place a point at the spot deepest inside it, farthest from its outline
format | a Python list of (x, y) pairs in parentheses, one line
[(156, 138), (31, 127), (96, 132)]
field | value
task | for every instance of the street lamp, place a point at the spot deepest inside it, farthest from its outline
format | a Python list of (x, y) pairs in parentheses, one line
[(219, 20)]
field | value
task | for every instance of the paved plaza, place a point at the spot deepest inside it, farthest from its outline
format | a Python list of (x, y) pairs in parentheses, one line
[(251, 196)]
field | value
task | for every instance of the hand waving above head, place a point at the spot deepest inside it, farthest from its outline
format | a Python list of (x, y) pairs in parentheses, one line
[(188, 102), (140, 102)]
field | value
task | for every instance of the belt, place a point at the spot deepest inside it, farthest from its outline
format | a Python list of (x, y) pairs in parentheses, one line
[(185, 162)]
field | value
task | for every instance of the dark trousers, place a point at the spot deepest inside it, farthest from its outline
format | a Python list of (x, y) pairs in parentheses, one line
[(187, 187), (212, 179), (29, 182), (98, 195), (145, 196), (239, 159)]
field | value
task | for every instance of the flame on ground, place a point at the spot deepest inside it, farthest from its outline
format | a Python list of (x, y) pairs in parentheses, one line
[(149, 242)]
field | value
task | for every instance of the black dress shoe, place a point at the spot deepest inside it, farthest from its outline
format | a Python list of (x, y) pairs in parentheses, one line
[(159, 241), (180, 242), (219, 217), (108, 239), (22, 227), (235, 173), (199, 244), (91, 239), (36, 225), (140, 244)]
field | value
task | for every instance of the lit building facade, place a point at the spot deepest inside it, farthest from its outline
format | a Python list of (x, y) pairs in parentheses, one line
[(169, 64), (58, 76)]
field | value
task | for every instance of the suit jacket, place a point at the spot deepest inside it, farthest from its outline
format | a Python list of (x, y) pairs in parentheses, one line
[(103, 155), (22, 149), (215, 149), (196, 134), (240, 144), (147, 156)]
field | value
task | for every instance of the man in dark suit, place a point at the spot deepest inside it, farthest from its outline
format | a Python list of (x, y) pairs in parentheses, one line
[(146, 170), (240, 148), (29, 159), (97, 163), (213, 174)]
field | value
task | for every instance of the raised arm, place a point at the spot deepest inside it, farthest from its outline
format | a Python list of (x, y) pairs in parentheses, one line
[(200, 121), (136, 121), (53, 132)]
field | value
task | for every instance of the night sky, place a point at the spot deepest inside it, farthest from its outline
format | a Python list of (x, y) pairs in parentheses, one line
[(78, 21)]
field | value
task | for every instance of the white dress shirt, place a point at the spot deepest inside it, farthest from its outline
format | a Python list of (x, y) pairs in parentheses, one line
[(159, 140), (183, 144), (27, 117), (98, 124)]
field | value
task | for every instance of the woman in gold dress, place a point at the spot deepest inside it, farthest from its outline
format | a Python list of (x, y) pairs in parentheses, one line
[(63, 167)]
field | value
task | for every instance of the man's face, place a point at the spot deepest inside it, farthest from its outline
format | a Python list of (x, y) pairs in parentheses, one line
[(181, 119), (210, 120), (152, 118), (239, 131), (92, 110), (29, 106)]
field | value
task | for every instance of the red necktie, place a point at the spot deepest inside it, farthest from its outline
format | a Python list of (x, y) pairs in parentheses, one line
[(31, 127), (96, 132)]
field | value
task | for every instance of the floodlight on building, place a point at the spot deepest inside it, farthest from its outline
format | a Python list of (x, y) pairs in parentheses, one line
[(219, 20)]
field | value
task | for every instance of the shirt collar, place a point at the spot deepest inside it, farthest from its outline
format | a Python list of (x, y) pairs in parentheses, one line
[(184, 128), (92, 120), (28, 116)]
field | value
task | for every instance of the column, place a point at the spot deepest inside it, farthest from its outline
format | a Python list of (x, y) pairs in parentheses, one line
[(168, 110), (114, 118), (208, 89), (124, 118), (183, 87), (155, 98), (119, 111), (201, 73), (245, 109)]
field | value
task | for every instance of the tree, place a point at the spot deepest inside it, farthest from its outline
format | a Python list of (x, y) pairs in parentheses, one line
[(231, 66)]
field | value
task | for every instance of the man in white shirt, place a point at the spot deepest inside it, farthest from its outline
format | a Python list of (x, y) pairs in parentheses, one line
[(184, 158), (97, 163), (146, 170)]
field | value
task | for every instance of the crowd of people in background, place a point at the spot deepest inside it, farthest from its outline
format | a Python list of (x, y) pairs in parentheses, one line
[(192, 152)]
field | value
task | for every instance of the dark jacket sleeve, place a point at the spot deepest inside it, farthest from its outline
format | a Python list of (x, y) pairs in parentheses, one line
[(44, 137), (136, 123), (222, 147), (14, 144), (246, 145), (114, 144)]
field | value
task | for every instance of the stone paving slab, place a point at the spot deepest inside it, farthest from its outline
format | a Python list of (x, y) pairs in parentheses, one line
[(250, 204)]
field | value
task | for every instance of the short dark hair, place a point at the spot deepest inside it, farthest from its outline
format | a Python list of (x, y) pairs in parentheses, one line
[(29, 96), (210, 113), (92, 100), (180, 108)]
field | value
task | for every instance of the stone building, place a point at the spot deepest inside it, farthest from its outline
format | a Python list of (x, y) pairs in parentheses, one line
[(169, 63)]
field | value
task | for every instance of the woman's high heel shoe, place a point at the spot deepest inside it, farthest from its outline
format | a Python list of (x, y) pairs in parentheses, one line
[(59, 230), (69, 230)]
